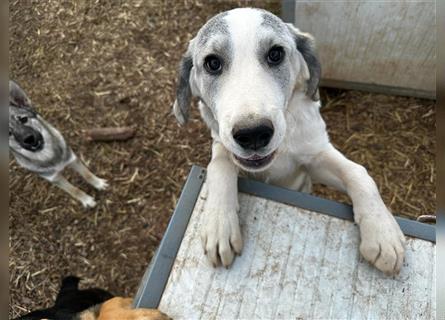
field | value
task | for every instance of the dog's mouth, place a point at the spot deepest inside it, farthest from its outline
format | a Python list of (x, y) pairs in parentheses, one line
[(33, 142), (36, 146), (255, 162)]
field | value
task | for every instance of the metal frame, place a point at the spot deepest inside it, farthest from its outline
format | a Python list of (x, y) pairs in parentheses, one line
[(379, 88), (156, 276)]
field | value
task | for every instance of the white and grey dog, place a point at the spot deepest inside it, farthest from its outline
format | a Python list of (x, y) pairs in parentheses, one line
[(257, 79), (40, 148)]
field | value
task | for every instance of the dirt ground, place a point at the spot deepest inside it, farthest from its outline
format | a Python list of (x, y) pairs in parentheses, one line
[(113, 63)]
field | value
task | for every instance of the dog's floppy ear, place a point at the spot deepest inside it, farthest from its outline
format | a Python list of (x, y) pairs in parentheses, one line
[(306, 47), (18, 97), (183, 90)]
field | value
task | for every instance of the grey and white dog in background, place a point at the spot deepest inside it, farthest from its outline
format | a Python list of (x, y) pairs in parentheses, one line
[(257, 79), (40, 148)]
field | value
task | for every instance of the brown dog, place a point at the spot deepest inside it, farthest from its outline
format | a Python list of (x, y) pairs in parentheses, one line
[(121, 309)]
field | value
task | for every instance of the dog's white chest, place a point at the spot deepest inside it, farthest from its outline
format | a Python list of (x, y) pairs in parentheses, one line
[(285, 172)]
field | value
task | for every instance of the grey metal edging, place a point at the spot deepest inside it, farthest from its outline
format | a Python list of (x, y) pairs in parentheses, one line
[(340, 210), (288, 10), (156, 276)]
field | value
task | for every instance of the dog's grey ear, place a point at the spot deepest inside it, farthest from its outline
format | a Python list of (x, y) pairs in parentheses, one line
[(306, 46), (183, 90), (18, 97)]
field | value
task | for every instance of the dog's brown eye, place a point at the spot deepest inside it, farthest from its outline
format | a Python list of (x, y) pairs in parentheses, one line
[(23, 120), (275, 55), (213, 64)]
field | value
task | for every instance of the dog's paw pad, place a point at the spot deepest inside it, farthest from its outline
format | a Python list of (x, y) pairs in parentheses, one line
[(88, 202)]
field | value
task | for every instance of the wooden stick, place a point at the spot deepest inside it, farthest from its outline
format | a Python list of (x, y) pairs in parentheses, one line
[(109, 134)]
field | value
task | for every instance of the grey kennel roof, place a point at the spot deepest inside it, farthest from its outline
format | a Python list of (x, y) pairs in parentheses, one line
[(300, 260)]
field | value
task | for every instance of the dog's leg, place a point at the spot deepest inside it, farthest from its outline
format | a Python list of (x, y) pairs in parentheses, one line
[(382, 241), (221, 234), (76, 193), (78, 166)]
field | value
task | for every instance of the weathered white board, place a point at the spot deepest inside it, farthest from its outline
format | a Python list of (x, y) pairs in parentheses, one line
[(296, 264), (386, 45)]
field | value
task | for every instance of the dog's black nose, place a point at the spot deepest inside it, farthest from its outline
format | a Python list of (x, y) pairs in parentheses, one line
[(32, 140), (254, 138)]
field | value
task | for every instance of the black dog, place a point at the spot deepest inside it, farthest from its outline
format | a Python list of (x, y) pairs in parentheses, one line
[(70, 301)]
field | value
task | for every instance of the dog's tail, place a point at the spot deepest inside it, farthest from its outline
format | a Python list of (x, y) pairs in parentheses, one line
[(70, 283)]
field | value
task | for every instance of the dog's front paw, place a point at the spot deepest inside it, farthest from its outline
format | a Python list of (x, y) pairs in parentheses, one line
[(221, 236), (382, 242), (100, 184), (88, 201)]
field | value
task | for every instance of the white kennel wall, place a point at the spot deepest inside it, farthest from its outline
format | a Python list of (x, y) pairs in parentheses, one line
[(383, 46)]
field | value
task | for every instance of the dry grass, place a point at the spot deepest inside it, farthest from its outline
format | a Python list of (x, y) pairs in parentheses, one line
[(113, 63), (394, 138)]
